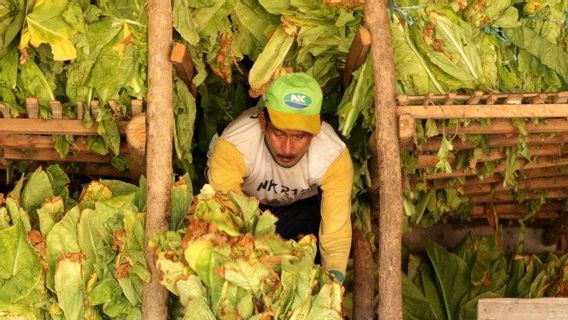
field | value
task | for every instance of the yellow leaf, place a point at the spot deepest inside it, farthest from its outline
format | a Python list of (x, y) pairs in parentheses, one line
[(63, 50)]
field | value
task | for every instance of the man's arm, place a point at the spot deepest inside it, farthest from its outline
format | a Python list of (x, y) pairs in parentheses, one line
[(226, 167), (335, 228)]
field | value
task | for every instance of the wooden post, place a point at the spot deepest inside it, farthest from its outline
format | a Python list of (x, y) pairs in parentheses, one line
[(388, 151), (159, 147), (357, 54), (363, 284), (136, 139), (181, 60)]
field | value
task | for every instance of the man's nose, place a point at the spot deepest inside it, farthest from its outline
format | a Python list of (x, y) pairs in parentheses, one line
[(288, 146)]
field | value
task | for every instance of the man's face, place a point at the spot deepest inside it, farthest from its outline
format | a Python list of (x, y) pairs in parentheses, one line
[(287, 146)]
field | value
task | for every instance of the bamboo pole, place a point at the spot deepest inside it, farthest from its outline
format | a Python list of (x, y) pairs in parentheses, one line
[(159, 147), (495, 141), (53, 126), (363, 280), (430, 160), (498, 126), (545, 162), (484, 111), (388, 151)]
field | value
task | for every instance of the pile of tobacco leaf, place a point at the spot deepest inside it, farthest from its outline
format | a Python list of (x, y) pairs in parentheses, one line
[(230, 264)]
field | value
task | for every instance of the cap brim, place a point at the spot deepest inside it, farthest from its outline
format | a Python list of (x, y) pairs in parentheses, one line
[(291, 121)]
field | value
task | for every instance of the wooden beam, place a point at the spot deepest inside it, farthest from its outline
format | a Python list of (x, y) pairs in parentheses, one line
[(506, 196), (159, 148), (476, 181), (136, 139), (181, 60), (522, 309), (430, 161), (497, 126), (357, 54), (495, 141), (39, 126), (523, 165), (484, 98), (388, 149), (52, 155), (31, 141), (531, 184), (485, 111), (364, 287), (515, 211)]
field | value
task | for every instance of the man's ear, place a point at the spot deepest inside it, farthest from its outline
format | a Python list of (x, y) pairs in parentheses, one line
[(262, 121)]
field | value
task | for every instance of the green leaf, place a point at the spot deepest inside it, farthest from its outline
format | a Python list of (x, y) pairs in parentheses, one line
[(184, 118), (11, 19), (266, 224), (431, 128), (59, 180), (548, 53), (68, 281), (271, 58), (50, 212), (181, 197), (61, 239), (248, 275), (118, 187), (8, 66), (46, 24), (415, 305), (414, 74), (443, 154), (36, 190), (452, 277), (327, 304), (34, 82), (20, 269)]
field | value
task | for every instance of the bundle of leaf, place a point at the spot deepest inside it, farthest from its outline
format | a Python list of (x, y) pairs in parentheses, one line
[(309, 36), (67, 259), (447, 285), (503, 46), (75, 52), (230, 264)]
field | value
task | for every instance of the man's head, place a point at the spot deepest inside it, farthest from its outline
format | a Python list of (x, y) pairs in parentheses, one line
[(292, 117)]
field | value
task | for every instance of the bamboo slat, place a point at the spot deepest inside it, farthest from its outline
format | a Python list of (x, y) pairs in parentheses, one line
[(39, 126), (495, 141), (30, 141), (506, 196), (523, 165), (429, 161), (505, 111), (52, 155), (497, 126)]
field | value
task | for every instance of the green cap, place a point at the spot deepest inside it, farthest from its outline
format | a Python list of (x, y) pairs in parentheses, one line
[(294, 103)]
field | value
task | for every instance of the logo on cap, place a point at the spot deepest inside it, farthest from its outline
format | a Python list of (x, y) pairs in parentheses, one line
[(297, 100)]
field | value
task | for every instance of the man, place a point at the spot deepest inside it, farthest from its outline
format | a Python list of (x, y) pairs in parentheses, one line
[(295, 165)]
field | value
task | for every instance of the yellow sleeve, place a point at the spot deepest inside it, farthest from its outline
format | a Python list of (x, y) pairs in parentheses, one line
[(226, 167), (335, 228)]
